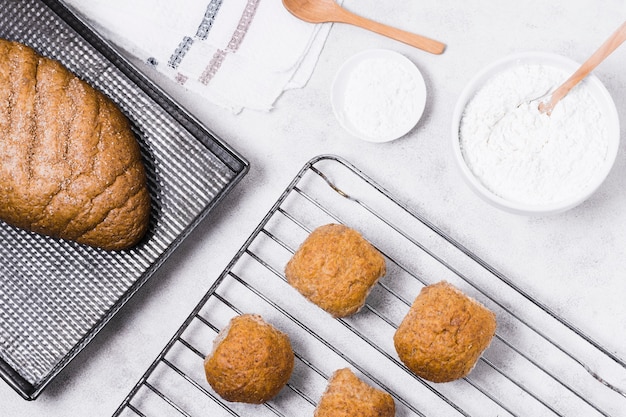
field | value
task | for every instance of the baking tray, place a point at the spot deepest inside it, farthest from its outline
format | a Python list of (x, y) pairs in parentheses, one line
[(56, 295), (537, 365)]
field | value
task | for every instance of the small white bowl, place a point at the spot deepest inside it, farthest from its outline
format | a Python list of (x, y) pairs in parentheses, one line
[(599, 92), (405, 121)]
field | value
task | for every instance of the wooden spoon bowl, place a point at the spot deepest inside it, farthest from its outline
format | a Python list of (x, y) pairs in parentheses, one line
[(322, 11)]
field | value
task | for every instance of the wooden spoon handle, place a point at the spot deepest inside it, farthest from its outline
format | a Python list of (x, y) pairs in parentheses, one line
[(610, 45), (418, 41)]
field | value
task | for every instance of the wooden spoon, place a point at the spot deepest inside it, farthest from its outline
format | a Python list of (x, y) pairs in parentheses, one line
[(611, 44), (322, 11)]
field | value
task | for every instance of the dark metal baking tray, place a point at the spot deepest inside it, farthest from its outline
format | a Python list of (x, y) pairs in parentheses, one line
[(55, 295), (538, 363)]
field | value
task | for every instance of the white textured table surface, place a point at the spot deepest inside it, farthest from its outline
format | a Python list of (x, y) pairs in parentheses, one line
[(574, 262)]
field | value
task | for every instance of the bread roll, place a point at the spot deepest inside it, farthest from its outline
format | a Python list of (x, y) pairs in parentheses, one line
[(348, 396), (251, 361), (335, 268), (70, 167), (444, 333)]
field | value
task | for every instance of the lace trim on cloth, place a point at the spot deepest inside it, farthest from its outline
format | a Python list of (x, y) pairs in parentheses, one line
[(202, 33), (236, 39), (208, 19), (180, 52)]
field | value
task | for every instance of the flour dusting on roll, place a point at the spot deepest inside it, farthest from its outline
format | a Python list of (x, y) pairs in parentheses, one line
[(335, 268), (444, 333), (251, 361), (346, 395)]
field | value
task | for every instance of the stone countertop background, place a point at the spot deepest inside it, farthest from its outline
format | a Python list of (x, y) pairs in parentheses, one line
[(574, 262)]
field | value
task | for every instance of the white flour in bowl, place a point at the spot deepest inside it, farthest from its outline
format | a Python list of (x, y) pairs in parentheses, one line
[(382, 98), (525, 156)]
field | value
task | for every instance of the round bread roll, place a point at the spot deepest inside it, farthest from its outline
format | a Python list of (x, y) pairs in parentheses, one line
[(444, 333), (348, 396), (335, 268), (251, 361), (70, 166)]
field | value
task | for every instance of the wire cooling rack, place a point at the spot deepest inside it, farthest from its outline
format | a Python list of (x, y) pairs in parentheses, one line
[(537, 365)]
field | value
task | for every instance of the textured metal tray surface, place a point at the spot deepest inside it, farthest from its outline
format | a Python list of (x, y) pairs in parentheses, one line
[(56, 295), (538, 364)]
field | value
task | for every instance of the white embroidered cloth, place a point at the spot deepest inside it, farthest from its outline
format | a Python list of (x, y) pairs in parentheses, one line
[(235, 53)]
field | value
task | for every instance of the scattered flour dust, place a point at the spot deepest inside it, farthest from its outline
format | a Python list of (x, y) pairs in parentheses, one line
[(523, 155), (382, 98)]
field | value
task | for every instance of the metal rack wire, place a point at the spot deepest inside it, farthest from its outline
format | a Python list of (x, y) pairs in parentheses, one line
[(538, 363)]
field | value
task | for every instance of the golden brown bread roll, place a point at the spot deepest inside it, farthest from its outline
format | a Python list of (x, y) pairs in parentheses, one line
[(348, 396), (444, 333), (70, 167), (251, 361), (335, 268)]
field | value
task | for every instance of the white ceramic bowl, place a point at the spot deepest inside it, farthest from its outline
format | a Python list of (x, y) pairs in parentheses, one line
[(403, 122), (599, 92)]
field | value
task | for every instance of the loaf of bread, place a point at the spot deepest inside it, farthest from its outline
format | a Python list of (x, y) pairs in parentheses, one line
[(70, 166), (444, 333), (251, 361), (347, 396), (335, 268)]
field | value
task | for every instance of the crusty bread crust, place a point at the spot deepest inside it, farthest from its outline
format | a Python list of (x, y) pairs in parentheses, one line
[(347, 396), (444, 333), (251, 361), (70, 166), (335, 268)]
